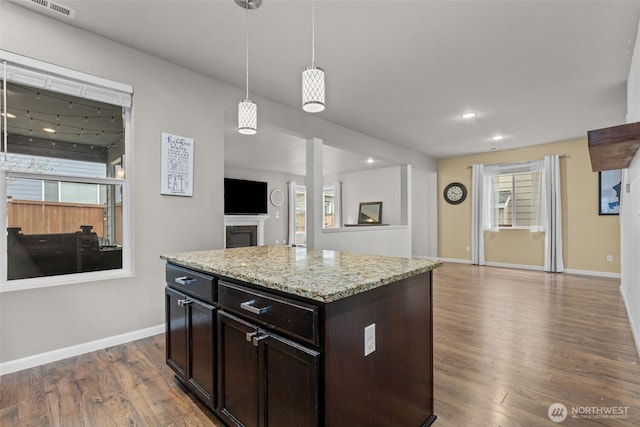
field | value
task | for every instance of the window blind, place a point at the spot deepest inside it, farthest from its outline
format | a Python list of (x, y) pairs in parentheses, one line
[(31, 72)]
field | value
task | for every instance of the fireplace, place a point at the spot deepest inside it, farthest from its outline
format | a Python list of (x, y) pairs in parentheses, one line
[(244, 230), (239, 236)]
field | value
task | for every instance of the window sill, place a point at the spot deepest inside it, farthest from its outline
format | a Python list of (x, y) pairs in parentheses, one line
[(67, 279)]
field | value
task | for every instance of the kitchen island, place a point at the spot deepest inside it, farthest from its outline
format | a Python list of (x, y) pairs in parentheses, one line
[(280, 336)]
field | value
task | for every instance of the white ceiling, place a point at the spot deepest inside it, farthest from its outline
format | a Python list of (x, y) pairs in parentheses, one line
[(404, 71)]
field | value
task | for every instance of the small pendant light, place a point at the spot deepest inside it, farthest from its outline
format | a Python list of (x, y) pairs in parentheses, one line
[(247, 110), (313, 77)]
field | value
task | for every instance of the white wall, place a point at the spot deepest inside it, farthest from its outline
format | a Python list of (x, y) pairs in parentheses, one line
[(374, 185), (424, 223), (167, 98), (630, 209), (390, 185)]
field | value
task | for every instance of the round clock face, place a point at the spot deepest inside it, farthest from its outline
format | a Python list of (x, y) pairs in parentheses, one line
[(455, 193)]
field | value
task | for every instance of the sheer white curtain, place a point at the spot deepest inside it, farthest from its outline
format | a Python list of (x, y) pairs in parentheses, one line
[(553, 261), (479, 206), (544, 200)]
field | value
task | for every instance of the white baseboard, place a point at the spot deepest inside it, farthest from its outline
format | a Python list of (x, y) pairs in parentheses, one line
[(534, 267), (516, 266), (594, 273), (455, 260), (76, 350), (634, 331)]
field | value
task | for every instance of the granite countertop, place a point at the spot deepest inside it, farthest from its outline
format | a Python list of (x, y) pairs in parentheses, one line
[(320, 275)]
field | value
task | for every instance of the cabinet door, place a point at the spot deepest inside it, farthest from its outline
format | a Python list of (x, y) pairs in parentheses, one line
[(238, 377), (201, 366), (176, 333), (291, 383)]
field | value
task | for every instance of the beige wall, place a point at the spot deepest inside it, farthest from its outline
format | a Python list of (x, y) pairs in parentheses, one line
[(588, 237)]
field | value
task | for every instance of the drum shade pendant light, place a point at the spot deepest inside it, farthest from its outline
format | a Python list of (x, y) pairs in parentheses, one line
[(247, 110), (313, 77)]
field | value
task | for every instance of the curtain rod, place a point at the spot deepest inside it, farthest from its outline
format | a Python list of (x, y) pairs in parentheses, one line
[(515, 163)]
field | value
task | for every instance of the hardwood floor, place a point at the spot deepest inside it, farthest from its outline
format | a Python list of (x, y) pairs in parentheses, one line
[(507, 344)]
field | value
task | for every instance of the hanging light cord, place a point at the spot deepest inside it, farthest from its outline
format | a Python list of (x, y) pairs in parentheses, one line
[(246, 6), (313, 34)]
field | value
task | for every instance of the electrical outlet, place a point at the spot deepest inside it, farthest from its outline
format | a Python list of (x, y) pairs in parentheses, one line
[(609, 258), (369, 339)]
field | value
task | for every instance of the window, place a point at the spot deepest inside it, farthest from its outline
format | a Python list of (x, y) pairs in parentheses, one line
[(517, 199), (332, 205), (62, 162), (329, 207), (514, 194), (301, 215)]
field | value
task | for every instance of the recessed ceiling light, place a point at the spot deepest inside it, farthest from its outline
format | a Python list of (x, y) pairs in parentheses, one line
[(49, 130), (497, 138), (370, 160), (469, 115), (9, 115)]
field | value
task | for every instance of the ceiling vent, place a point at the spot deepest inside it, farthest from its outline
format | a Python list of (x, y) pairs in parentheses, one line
[(48, 7)]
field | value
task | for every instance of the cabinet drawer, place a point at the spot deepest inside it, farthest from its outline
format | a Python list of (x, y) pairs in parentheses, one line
[(282, 314), (199, 285)]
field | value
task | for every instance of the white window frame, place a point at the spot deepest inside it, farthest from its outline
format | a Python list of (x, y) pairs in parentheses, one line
[(506, 169), (514, 213), (31, 72)]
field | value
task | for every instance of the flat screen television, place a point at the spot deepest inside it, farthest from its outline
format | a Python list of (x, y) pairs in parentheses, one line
[(243, 197)]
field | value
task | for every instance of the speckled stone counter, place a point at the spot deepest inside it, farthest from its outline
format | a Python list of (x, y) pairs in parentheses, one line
[(319, 275)]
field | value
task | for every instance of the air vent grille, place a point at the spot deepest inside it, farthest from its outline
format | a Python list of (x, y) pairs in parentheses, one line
[(48, 7), (61, 9)]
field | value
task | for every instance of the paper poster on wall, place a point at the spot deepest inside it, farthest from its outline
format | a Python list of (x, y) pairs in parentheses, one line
[(177, 165)]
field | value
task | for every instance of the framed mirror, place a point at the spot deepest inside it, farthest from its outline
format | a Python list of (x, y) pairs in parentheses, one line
[(370, 213)]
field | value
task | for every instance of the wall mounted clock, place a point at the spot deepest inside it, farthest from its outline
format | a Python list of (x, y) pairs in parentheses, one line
[(455, 193)]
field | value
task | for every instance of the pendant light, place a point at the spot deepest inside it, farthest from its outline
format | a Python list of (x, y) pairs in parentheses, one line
[(247, 110), (313, 77)]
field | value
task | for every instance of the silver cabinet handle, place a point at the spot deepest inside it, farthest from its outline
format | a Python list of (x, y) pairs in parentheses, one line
[(256, 340), (248, 306), (249, 335), (183, 302), (254, 337), (185, 280)]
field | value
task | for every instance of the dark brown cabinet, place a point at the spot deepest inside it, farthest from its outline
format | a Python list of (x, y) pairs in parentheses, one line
[(190, 334), (265, 379), (260, 357)]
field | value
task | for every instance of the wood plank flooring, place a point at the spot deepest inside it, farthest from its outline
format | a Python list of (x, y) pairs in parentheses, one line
[(507, 344)]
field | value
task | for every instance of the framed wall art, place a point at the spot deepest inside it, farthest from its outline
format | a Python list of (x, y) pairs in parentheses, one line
[(176, 171), (609, 186)]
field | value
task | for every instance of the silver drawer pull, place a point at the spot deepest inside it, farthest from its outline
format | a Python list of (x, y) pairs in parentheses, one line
[(248, 305), (185, 280), (183, 302)]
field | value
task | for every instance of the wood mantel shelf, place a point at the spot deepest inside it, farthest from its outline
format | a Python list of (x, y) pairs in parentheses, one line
[(613, 147)]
